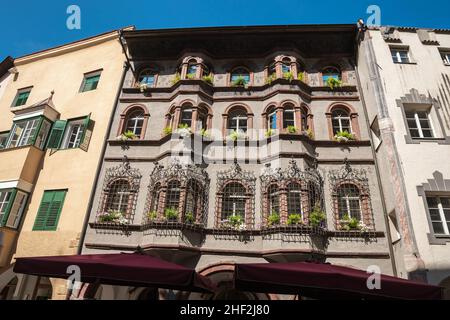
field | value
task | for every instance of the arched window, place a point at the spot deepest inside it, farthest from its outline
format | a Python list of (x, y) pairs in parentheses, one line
[(286, 65), (173, 195), (274, 199), (304, 118), (349, 201), (186, 116), (118, 197), (155, 197), (341, 121), (194, 199), (288, 116), (294, 198), (237, 120), (192, 68), (233, 201), (272, 118), (330, 72), (240, 74), (148, 77), (135, 122)]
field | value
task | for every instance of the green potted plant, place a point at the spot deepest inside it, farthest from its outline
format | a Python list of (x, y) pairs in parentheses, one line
[(288, 75), (309, 133), (239, 82), (273, 219), (235, 221), (301, 76), (271, 78), (317, 217), (176, 78), (189, 218), (204, 133), (349, 224), (208, 78), (128, 135), (236, 135), (292, 129), (184, 130), (334, 83), (152, 216), (269, 133), (344, 136), (113, 216), (167, 131), (294, 219), (171, 214)]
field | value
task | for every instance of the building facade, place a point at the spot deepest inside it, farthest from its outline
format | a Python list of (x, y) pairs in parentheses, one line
[(405, 77), (54, 115), (235, 145)]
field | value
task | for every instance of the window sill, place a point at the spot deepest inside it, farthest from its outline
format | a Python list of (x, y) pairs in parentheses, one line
[(410, 63), (441, 240)]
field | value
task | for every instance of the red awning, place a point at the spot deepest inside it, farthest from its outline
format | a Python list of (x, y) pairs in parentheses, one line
[(326, 281), (136, 270)]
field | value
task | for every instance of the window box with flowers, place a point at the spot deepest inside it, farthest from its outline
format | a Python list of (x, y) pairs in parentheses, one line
[(317, 218), (113, 217), (184, 130), (234, 223), (334, 83), (236, 135), (208, 79), (344, 136), (353, 224), (126, 136), (171, 215), (240, 82), (274, 219), (294, 219), (288, 76)]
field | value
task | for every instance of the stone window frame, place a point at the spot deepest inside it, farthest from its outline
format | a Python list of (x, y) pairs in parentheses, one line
[(173, 116), (127, 112), (438, 186), (230, 109), (153, 69), (415, 98), (200, 71), (277, 63), (299, 110), (161, 177), (353, 119), (311, 189), (357, 177), (121, 172), (248, 180), (240, 66)]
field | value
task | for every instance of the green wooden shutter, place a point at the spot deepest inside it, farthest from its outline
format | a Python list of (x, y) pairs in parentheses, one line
[(12, 197), (87, 133), (49, 211), (56, 135)]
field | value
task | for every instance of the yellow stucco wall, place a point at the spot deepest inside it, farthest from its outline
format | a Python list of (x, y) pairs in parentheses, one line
[(72, 169)]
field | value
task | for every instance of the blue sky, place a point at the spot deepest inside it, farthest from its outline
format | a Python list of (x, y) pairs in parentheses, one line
[(35, 25)]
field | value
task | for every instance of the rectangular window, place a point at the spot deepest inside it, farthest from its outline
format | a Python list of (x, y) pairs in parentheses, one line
[(3, 139), (186, 117), (288, 118), (5, 198), (69, 134), (90, 81), (439, 211), (400, 55), (446, 58), (50, 210), (21, 97), (419, 124), (23, 132), (12, 205), (74, 133), (41, 137)]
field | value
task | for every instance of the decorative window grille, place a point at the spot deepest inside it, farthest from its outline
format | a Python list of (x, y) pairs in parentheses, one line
[(120, 190), (183, 188), (235, 197), (297, 192), (351, 197)]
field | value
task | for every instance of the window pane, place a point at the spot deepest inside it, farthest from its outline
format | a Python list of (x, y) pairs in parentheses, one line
[(404, 56), (447, 214), (427, 133), (91, 83), (186, 117), (445, 202), (43, 133), (17, 210), (432, 202), (412, 124), (22, 98), (233, 202), (414, 133), (147, 77), (288, 118), (5, 197), (434, 215), (135, 122), (294, 199), (438, 228)]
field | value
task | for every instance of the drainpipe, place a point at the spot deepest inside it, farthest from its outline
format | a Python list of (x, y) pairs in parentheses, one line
[(377, 171), (105, 143), (411, 255)]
